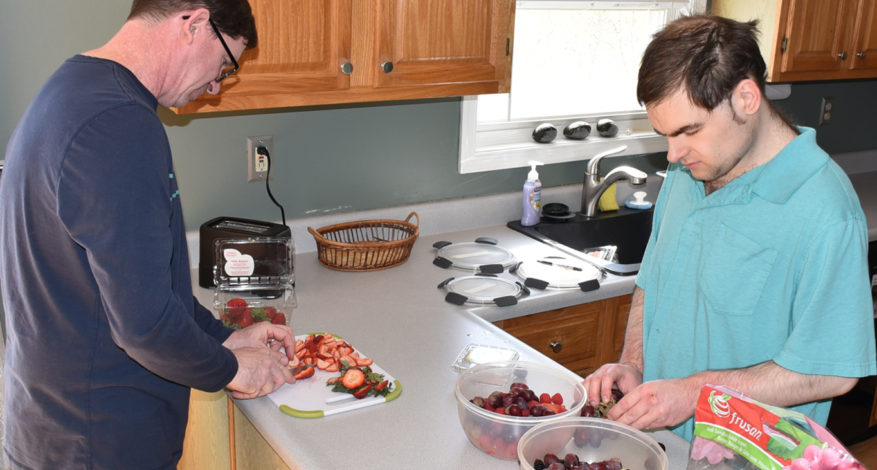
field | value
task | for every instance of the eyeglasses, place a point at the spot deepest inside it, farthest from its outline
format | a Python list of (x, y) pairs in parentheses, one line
[(222, 76)]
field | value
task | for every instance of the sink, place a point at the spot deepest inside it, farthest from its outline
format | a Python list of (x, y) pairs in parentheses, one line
[(627, 229)]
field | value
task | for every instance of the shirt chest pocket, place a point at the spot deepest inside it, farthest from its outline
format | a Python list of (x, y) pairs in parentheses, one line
[(734, 271)]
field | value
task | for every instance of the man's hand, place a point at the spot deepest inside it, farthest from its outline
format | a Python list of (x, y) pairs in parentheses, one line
[(656, 404), (262, 366), (261, 370), (599, 384), (263, 334)]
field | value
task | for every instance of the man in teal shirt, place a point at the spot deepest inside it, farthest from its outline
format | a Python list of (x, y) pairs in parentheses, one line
[(755, 276)]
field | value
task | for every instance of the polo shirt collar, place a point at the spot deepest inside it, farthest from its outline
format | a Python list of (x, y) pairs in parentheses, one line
[(789, 169)]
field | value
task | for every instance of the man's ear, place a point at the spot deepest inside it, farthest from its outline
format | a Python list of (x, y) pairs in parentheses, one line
[(747, 97), (194, 22)]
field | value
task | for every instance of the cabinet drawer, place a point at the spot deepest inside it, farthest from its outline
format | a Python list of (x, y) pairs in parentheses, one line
[(581, 337), (568, 335)]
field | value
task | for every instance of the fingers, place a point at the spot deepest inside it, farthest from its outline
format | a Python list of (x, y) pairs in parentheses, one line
[(260, 372)]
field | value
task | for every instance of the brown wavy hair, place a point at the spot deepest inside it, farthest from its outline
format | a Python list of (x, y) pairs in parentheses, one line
[(706, 55), (232, 17)]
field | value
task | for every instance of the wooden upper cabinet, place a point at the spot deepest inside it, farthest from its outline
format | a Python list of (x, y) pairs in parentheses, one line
[(443, 42), (316, 52), (804, 40), (864, 55), (814, 37)]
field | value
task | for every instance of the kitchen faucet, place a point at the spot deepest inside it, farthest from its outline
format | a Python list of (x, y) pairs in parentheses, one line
[(593, 187)]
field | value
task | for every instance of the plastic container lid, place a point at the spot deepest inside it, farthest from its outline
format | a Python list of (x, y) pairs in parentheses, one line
[(254, 263)]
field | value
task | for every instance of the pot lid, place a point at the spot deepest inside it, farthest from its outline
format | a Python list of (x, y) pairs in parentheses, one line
[(558, 272), (480, 256), (483, 289)]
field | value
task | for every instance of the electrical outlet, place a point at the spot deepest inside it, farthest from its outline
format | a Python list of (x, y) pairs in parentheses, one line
[(257, 162), (825, 110)]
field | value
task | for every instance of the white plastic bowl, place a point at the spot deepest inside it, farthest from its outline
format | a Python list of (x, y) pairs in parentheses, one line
[(592, 440), (498, 434)]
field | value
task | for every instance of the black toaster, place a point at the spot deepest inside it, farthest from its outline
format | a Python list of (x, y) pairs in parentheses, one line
[(231, 228)]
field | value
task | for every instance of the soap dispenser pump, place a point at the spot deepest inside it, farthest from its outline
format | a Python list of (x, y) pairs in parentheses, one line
[(532, 197)]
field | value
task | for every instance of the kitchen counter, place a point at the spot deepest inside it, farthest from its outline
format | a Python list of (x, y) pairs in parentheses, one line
[(399, 318)]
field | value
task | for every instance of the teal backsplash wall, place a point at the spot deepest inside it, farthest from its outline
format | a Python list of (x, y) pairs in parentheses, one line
[(334, 158)]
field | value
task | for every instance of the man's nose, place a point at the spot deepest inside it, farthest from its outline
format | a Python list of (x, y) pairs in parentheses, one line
[(675, 150)]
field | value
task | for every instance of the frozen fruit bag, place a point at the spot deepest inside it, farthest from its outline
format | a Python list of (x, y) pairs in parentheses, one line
[(734, 432)]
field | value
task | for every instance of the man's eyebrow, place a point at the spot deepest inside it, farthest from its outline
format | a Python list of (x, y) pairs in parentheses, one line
[(681, 130)]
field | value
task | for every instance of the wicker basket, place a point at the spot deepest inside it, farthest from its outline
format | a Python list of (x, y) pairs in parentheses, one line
[(366, 245)]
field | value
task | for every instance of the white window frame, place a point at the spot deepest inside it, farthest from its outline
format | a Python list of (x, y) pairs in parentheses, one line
[(502, 145)]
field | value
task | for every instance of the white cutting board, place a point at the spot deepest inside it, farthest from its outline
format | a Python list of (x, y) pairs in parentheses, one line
[(312, 398)]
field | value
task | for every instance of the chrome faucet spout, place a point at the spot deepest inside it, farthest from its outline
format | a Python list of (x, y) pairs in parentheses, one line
[(593, 187)]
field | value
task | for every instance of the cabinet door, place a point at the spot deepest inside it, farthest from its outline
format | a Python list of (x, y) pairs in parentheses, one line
[(444, 42), (207, 434), (814, 36), (569, 335), (303, 45), (619, 324), (864, 52)]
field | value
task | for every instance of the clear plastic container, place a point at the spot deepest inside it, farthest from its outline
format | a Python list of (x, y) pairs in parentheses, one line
[(498, 434), (591, 440), (255, 281)]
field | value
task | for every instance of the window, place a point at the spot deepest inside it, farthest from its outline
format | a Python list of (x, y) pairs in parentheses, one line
[(574, 60)]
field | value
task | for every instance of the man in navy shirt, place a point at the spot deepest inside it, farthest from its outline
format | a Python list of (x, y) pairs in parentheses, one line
[(105, 338)]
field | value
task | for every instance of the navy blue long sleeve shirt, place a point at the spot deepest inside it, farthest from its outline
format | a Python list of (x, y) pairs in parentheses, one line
[(105, 337)]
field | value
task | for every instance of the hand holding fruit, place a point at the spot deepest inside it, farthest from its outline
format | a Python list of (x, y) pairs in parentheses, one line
[(623, 376), (264, 335), (261, 370), (657, 404)]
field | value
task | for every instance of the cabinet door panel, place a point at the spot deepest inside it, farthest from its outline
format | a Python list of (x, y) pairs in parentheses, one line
[(442, 41), (302, 45), (865, 50), (573, 331), (815, 31)]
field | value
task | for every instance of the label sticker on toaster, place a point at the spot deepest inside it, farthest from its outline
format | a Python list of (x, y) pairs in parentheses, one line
[(237, 264)]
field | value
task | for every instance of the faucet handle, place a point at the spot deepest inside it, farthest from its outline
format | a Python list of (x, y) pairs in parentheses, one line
[(594, 163)]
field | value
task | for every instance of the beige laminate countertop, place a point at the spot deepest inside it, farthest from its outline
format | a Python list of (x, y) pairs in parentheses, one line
[(399, 318)]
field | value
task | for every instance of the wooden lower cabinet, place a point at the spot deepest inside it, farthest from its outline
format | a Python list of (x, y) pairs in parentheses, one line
[(215, 442), (207, 443), (252, 451), (582, 337)]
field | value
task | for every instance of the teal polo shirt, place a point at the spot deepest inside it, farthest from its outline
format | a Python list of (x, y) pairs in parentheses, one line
[(773, 266)]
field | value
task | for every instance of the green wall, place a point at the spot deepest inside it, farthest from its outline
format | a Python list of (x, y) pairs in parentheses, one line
[(326, 159)]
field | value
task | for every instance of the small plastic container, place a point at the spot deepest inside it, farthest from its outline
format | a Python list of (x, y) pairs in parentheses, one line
[(475, 354), (255, 281), (591, 440), (498, 434)]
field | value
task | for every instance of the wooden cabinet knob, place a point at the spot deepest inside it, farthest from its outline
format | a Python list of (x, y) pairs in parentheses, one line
[(387, 67), (556, 346), (347, 68), (843, 55)]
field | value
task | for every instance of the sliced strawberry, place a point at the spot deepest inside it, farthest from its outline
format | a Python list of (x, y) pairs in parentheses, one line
[(364, 361), (303, 373), (554, 407), (381, 386), (362, 391), (353, 378)]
